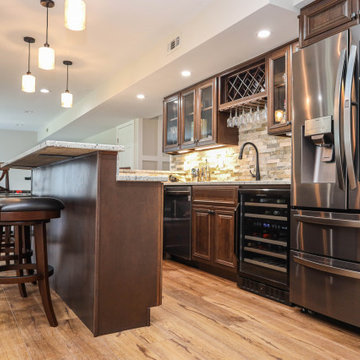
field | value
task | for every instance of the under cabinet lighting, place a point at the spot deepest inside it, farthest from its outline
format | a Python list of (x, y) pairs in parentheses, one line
[(140, 96), (183, 151), (44, 91), (209, 147), (263, 34)]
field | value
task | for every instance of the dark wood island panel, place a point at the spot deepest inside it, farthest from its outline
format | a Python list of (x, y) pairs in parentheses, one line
[(107, 246)]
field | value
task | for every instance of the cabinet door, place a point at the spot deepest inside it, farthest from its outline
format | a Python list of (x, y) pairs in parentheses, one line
[(279, 86), (321, 19), (224, 237), (207, 109), (201, 234), (171, 123), (188, 119)]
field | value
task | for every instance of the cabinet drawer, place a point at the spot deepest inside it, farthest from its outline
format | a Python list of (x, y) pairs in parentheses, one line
[(324, 18), (327, 286), (218, 195)]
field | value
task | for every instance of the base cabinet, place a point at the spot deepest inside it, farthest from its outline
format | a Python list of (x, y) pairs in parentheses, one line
[(213, 237), (224, 237), (201, 234)]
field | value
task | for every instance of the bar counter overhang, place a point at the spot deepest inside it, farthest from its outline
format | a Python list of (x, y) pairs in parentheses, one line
[(106, 247)]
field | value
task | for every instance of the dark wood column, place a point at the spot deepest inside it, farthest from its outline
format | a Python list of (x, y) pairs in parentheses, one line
[(106, 247)]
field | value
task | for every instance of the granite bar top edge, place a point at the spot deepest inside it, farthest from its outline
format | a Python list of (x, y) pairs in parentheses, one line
[(63, 144)]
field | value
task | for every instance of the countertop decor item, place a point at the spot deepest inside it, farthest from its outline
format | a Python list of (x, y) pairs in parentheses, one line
[(28, 80), (67, 97), (46, 53), (75, 15)]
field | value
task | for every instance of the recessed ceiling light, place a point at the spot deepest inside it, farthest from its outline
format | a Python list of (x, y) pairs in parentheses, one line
[(263, 34), (45, 91), (140, 96), (186, 73)]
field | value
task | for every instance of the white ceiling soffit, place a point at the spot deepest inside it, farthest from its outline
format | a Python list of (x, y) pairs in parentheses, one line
[(236, 44)]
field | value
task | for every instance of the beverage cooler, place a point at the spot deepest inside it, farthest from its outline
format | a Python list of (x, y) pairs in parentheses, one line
[(264, 242)]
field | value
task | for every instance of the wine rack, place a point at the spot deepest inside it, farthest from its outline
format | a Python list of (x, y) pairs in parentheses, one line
[(264, 239), (244, 88)]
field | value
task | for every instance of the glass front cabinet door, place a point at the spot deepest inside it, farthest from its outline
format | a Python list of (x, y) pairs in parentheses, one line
[(279, 91), (188, 111), (206, 119), (171, 123)]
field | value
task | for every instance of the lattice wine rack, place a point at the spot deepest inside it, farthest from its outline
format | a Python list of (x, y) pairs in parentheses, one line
[(244, 89)]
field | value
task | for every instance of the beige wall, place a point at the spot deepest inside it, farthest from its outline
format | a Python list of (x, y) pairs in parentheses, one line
[(274, 154)]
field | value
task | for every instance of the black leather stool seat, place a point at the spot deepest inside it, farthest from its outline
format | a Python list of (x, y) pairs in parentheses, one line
[(29, 203)]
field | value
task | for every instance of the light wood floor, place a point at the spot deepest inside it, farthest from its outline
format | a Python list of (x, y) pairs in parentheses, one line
[(202, 317)]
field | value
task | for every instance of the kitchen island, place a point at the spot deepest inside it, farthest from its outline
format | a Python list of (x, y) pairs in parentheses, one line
[(106, 248)]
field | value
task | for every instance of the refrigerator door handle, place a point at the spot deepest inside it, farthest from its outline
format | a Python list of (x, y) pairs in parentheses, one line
[(337, 119), (327, 268), (327, 221), (348, 109)]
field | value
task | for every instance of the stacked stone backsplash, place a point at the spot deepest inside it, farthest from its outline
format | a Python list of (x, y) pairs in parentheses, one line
[(274, 157)]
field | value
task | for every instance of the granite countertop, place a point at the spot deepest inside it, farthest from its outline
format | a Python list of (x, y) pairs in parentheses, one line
[(143, 175), (250, 182), (52, 151)]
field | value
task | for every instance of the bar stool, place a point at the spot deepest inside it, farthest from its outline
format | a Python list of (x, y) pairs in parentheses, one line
[(22, 212)]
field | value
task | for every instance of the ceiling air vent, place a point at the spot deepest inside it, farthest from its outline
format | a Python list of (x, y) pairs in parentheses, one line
[(173, 44)]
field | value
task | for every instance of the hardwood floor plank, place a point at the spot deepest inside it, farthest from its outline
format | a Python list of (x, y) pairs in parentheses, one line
[(203, 317)]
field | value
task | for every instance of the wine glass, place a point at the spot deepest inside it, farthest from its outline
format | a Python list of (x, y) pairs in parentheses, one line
[(230, 120), (258, 116), (249, 116), (236, 118)]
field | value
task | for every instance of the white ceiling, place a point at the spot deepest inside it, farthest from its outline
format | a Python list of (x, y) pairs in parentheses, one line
[(120, 34)]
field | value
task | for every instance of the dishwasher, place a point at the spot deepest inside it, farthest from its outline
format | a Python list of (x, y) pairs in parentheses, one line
[(177, 221)]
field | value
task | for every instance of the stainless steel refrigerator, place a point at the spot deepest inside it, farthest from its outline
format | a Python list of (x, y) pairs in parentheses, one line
[(325, 199)]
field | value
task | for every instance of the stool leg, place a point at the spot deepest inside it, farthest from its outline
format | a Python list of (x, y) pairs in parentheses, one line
[(18, 258), (27, 247), (42, 268), (7, 239)]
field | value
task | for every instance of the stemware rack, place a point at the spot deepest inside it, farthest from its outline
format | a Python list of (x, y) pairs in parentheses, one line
[(244, 89)]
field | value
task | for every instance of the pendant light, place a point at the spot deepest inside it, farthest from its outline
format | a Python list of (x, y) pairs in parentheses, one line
[(75, 15), (28, 80), (66, 97), (46, 53)]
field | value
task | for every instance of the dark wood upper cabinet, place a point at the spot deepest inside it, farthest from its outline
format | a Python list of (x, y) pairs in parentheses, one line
[(279, 90), (207, 113), (323, 18), (171, 133), (199, 122), (188, 118)]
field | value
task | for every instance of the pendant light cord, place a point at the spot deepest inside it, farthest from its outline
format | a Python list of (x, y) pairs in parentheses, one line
[(47, 24), (67, 77), (29, 60)]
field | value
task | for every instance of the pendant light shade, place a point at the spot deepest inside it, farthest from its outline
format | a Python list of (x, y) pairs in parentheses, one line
[(66, 97), (46, 60), (75, 15), (28, 80)]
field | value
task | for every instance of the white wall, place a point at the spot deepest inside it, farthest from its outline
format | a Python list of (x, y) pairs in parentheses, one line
[(105, 137), (13, 143)]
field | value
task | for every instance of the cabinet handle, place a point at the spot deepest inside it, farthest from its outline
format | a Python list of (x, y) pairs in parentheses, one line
[(211, 212)]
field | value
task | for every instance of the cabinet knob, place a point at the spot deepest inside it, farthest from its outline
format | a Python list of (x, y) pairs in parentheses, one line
[(353, 16)]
